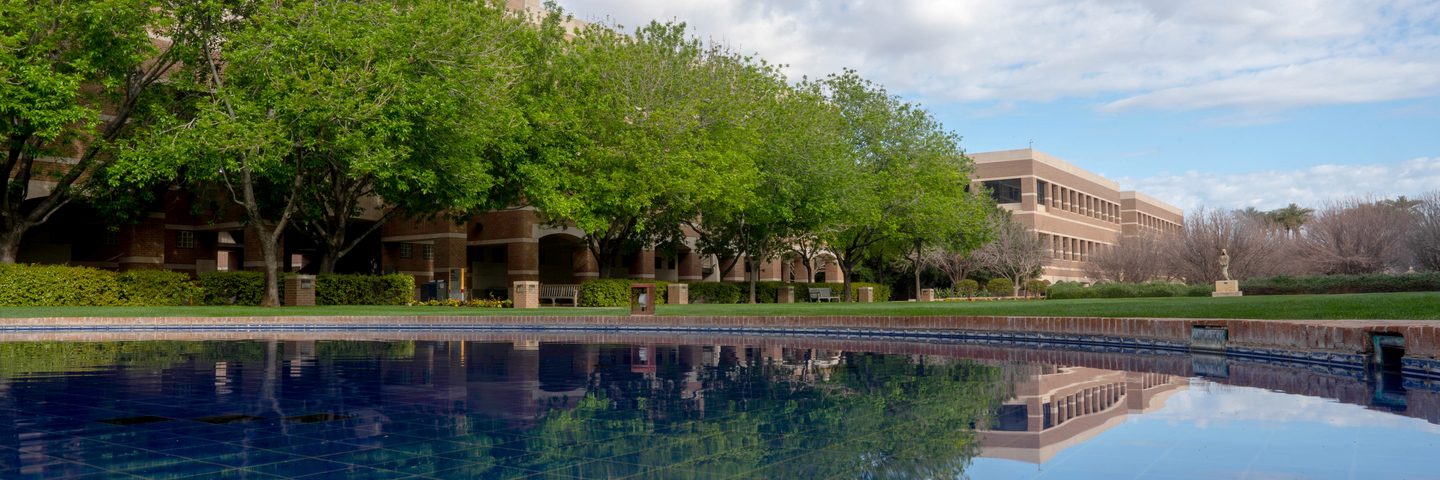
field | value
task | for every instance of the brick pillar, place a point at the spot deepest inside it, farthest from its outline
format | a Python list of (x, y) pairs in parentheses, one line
[(449, 252), (522, 261), (583, 264), (146, 248), (927, 295), (866, 294), (785, 295), (643, 267), (299, 291), (677, 294), (525, 294), (1028, 186), (689, 266)]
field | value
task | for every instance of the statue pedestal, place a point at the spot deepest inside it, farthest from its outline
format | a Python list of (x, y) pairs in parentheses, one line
[(1227, 288)]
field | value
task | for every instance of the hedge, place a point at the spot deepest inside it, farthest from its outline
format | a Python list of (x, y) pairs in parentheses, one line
[(151, 288), (768, 292), (615, 292), (1330, 284), (1002, 287), (57, 286), (24, 285), (718, 292), (395, 289), (233, 288)]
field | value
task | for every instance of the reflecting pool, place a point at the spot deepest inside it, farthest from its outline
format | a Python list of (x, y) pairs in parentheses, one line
[(490, 405)]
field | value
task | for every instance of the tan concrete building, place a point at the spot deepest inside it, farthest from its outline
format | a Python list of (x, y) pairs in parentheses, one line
[(1075, 212)]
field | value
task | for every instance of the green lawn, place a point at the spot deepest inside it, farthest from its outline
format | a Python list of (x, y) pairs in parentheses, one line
[(1378, 306)]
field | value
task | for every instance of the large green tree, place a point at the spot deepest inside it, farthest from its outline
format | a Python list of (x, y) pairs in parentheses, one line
[(311, 107), (640, 130), (908, 176), (76, 78)]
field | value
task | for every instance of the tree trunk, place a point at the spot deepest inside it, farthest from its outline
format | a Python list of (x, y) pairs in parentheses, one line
[(845, 268), (916, 262), (754, 274), (327, 262), (10, 245), (269, 251)]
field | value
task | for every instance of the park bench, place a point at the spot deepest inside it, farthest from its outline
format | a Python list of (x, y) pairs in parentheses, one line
[(822, 295), (557, 292)]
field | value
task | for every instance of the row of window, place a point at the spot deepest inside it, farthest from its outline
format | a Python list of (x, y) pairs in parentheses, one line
[(427, 252), (1069, 248), (1157, 224), (1061, 198)]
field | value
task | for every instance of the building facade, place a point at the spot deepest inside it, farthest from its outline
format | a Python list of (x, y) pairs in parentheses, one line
[(1075, 212)]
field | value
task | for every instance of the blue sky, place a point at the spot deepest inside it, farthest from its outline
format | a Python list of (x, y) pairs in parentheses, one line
[(1219, 104)]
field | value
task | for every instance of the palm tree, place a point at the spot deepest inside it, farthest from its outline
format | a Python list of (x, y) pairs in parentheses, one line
[(1293, 217)]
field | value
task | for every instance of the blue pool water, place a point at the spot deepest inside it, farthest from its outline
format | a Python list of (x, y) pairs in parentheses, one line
[(496, 406)]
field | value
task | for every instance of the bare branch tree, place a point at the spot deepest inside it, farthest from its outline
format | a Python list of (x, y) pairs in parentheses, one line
[(1255, 249), (1016, 253), (1424, 236), (1134, 258), (1355, 236)]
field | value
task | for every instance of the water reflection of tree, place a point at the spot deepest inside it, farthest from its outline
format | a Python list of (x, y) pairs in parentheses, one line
[(875, 417), (31, 358)]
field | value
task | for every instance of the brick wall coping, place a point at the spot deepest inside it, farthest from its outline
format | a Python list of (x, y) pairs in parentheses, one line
[(1422, 337)]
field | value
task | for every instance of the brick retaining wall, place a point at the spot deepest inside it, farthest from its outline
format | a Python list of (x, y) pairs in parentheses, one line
[(1422, 338)]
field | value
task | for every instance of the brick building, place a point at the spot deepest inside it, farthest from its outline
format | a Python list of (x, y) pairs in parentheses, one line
[(1075, 212)]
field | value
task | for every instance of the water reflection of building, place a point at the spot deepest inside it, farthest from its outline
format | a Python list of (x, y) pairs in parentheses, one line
[(1057, 407)]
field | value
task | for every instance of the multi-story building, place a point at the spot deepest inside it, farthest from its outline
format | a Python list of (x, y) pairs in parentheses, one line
[(1075, 212)]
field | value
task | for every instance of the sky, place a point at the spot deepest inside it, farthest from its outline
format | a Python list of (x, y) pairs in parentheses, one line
[(1220, 104)]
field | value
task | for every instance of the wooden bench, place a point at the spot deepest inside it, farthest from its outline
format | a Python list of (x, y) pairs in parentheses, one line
[(822, 295), (555, 293)]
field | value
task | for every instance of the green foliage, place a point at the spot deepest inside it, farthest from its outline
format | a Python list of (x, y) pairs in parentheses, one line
[(1329, 284), (1000, 286), (395, 289), (29, 358), (232, 288), (1070, 291), (615, 292), (57, 285), (967, 287), (717, 292), (157, 288), (472, 303), (1036, 287)]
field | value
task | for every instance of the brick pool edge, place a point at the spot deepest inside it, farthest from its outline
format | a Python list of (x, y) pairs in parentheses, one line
[(1421, 338)]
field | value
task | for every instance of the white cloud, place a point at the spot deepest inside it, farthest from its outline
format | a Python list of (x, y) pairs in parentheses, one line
[(1153, 54), (1309, 186)]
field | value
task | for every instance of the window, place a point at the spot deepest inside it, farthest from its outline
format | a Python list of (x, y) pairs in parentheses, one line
[(407, 250), (428, 252), (1040, 189), (185, 239), (1004, 191), (112, 237)]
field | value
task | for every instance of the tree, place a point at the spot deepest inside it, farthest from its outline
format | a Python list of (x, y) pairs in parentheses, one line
[(798, 185), (310, 107), (435, 104), (907, 172), (1255, 249), (1291, 218), (644, 128), (1356, 236), (1016, 253), (1424, 236), (1133, 258), (76, 79)]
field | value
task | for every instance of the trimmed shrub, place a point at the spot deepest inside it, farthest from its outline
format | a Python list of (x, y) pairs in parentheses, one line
[(967, 287), (57, 286), (232, 288), (720, 292), (1116, 290), (1199, 290), (157, 288), (1069, 291), (394, 289), (1036, 287), (1001, 287), (615, 292), (1329, 284), (1160, 289)]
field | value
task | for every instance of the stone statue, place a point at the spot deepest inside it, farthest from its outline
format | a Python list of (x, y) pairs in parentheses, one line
[(1225, 264)]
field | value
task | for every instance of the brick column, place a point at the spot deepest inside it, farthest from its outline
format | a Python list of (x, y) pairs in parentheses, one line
[(643, 266), (689, 266), (522, 261), (583, 264), (1028, 186), (146, 248)]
